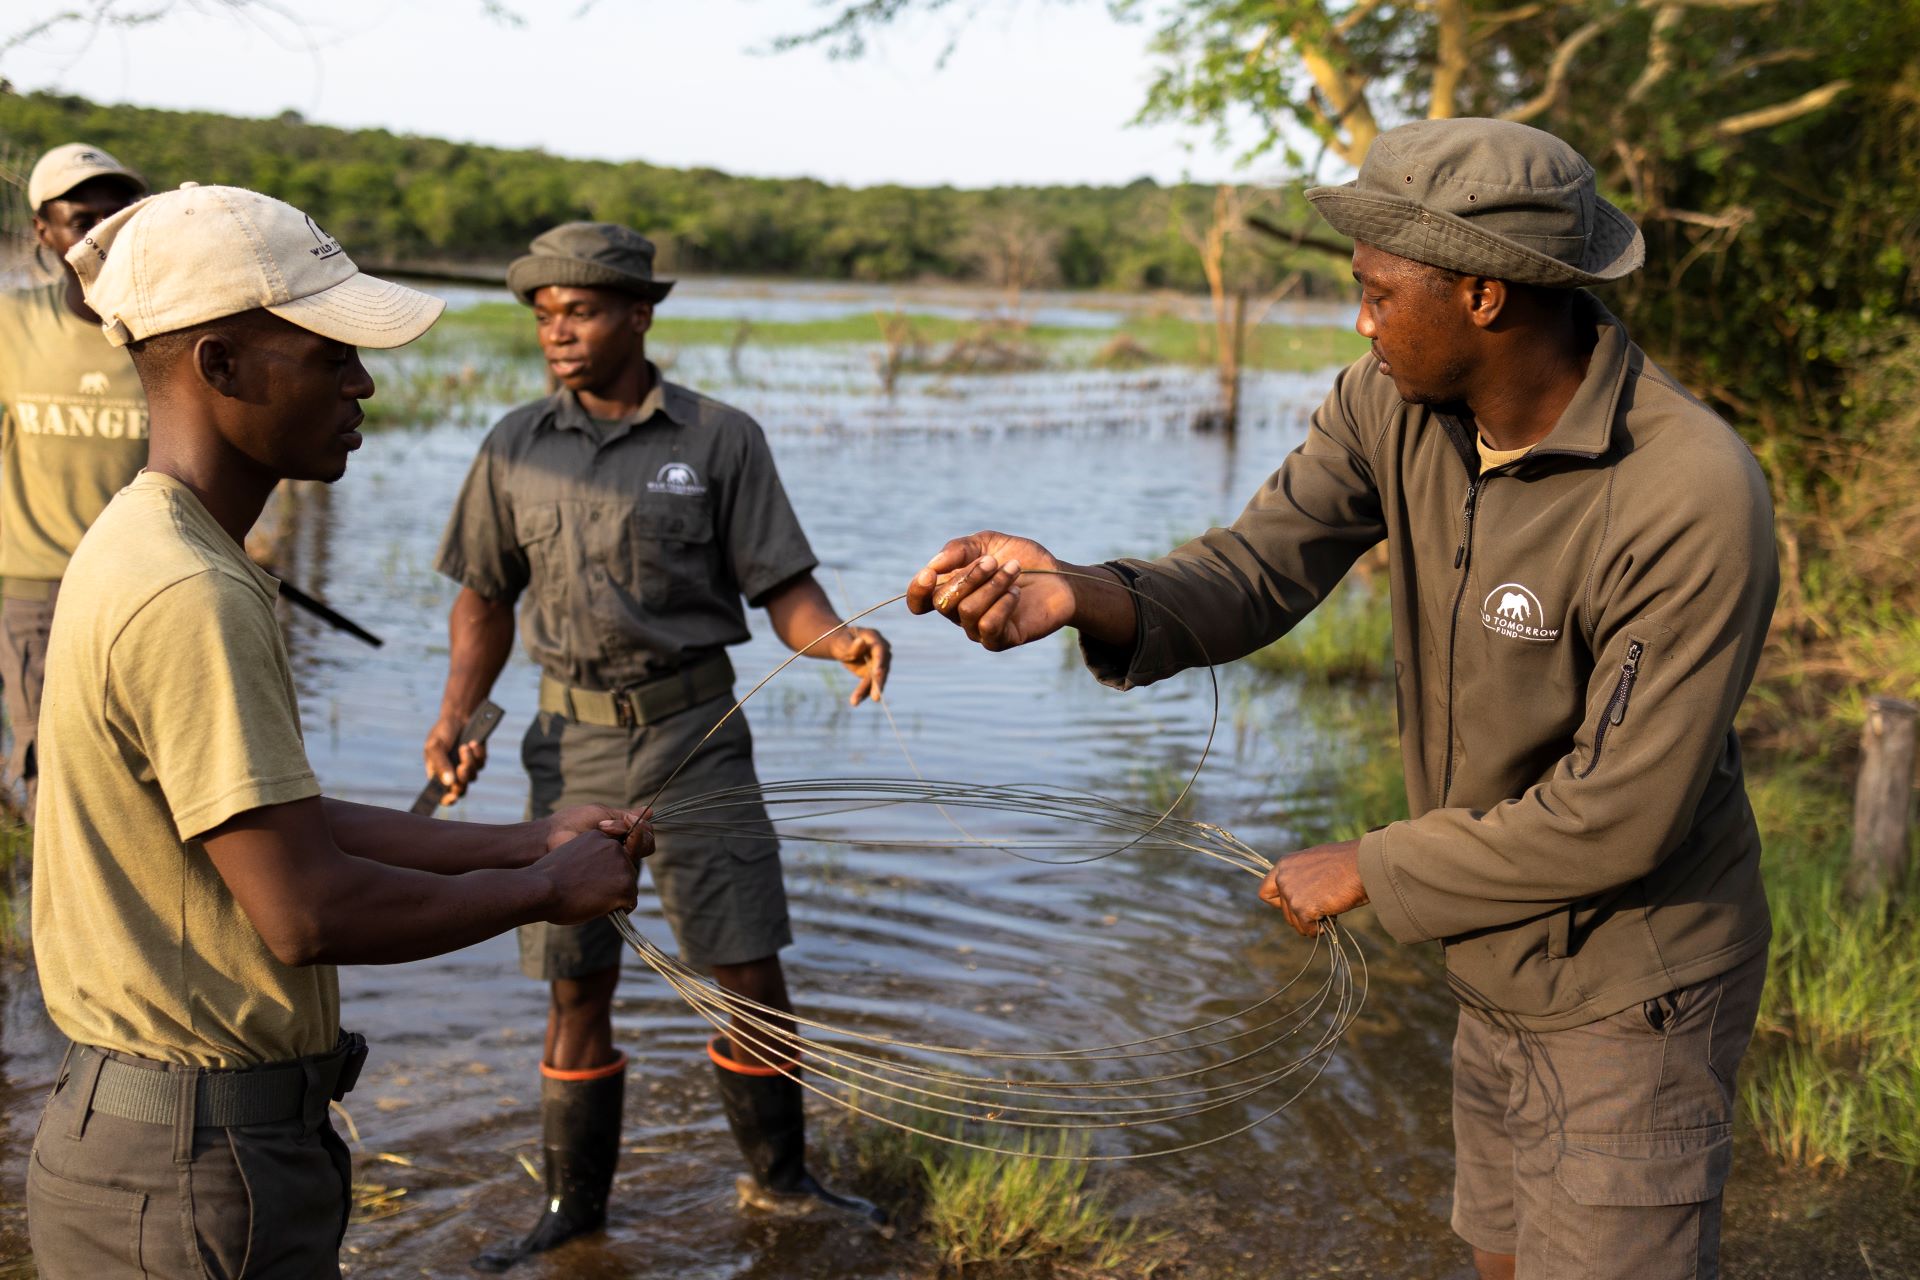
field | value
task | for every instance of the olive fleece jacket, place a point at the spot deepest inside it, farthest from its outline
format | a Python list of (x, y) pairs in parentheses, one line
[(1573, 632)]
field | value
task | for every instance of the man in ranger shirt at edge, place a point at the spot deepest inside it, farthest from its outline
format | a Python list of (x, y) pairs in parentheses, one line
[(192, 889), (73, 426), (1583, 571)]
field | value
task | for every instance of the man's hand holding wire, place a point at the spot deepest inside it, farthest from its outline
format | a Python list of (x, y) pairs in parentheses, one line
[(1315, 885), (976, 583)]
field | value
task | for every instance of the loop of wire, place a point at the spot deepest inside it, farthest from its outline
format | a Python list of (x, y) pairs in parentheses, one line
[(1236, 1071)]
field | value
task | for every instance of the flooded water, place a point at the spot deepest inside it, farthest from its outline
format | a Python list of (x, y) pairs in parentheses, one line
[(951, 946)]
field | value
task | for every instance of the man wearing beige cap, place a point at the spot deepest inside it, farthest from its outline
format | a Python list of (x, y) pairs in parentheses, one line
[(192, 889), (632, 520), (73, 426), (1583, 570)]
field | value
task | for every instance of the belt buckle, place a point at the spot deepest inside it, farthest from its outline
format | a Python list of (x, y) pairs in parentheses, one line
[(355, 1058), (623, 711)]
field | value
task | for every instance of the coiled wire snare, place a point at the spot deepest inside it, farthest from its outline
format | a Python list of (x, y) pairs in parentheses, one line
[(1248, 1065)]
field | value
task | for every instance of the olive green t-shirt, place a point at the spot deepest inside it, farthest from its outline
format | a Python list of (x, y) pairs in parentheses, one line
[(169, 708), (73, 429)]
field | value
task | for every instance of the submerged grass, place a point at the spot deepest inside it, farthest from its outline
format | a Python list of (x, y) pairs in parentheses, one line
[(507, 328), (981, 1210)]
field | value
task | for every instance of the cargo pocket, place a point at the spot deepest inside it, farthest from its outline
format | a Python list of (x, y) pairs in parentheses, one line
[(668, 554), (77, 1228), (1650, 1169), (1645, 1204)]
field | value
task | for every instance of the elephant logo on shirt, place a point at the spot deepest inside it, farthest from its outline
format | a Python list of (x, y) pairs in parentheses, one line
[(679, 478), (93, 384), (1513, 611)]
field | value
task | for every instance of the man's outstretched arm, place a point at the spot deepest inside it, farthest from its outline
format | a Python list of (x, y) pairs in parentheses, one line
[(314, 903)]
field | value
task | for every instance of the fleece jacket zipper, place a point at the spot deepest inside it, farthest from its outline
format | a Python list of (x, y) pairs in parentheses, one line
[(1462, 560), (1616, 705)]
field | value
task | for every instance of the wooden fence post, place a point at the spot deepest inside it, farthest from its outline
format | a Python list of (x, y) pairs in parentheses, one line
[(1883, 798)]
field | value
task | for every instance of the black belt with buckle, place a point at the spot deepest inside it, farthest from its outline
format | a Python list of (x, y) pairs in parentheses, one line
[(141, 1089)]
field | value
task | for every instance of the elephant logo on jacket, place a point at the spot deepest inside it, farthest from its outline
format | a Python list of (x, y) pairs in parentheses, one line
[(93, 384), (1513, 611)]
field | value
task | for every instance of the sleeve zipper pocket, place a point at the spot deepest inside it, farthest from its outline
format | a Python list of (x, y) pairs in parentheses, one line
[(1616, 705)]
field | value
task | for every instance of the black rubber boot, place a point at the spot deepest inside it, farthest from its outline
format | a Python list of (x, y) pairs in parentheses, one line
[(580, 1112), (766, 1112)]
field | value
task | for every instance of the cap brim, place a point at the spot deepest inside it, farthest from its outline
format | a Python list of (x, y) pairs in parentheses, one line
[(79, 176), (364, 311)]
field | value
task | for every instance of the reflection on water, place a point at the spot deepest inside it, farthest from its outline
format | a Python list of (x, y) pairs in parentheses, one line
[(950, 945)]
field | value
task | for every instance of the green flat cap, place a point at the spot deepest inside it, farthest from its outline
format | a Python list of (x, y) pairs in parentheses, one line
[(596, 255), (1488, 198)]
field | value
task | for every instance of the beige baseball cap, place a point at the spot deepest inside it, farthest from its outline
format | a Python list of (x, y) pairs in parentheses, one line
[(66, 167), (185, 257)]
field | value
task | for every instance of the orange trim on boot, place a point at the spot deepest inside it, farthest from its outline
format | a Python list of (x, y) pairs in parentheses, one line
[(613, 1068), (725, 1063)]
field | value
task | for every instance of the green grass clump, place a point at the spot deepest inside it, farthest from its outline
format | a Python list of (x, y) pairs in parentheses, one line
[(981, 1208), (1349, 637), (1834, 1073), (988, 1207), (16, 881)]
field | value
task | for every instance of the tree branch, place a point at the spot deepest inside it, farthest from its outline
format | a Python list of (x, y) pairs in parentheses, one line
[(1765, 118), (1558, 69), (1355, 16), (1298, 239), (1450, 67)]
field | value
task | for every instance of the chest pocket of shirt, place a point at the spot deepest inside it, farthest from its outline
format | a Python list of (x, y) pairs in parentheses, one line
[(534, 528), (669, 555)]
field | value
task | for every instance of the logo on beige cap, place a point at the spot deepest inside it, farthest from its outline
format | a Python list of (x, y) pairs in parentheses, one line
[(324, 245)]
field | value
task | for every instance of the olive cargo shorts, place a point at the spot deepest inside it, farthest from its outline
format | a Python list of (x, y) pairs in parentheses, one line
[(719, 887), (110, 1198), (1602, 1150)]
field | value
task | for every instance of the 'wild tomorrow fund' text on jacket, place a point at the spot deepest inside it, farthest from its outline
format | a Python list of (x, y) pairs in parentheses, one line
[(1572, 631)]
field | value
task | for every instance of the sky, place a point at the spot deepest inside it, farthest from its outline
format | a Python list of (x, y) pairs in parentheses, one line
[(1034, 91)]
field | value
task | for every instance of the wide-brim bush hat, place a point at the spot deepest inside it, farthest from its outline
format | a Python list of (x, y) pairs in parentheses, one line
[(1487, 198), (595, 255)]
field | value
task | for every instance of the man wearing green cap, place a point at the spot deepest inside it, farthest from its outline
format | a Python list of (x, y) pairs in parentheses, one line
[(192, 889), (1583, 570), (73, 426), (628, 518)]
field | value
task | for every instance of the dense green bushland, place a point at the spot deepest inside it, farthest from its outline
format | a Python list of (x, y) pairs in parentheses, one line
[(392, 196)]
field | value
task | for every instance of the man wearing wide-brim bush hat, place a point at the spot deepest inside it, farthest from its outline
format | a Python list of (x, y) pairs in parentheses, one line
[(630, 521), (601, 255), (1583, 572)]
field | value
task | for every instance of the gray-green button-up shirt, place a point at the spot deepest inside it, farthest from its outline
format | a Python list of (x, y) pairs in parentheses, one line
[(634, 541)]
